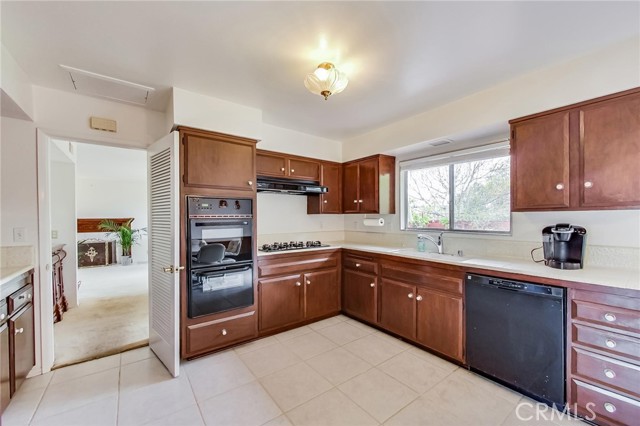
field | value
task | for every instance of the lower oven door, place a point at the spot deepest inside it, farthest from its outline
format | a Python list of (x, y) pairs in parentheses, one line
[(219, 289)]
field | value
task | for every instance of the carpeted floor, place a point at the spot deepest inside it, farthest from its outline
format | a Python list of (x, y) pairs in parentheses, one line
[(113, 315)]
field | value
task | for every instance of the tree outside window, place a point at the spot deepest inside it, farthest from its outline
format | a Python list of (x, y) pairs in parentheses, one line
[(468, 196)]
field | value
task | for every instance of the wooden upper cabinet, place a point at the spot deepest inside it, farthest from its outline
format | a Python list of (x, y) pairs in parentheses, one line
[(610, 153), (368, 185), (540, 162), (217, 161), (287, 166), (329, 202), (271, 165), (580, 157)]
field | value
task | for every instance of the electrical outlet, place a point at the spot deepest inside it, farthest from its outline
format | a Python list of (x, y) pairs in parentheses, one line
[(54, 234), (19, 235)]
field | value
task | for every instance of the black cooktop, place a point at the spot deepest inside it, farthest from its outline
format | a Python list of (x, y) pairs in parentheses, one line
[(292, 245)]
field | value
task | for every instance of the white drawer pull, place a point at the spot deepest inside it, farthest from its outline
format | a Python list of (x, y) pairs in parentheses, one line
[(410, 295), (355, 201), (609, 407), (325, 201), (308, 282), (609, 317), (2, 316), (298, 283), (372, 285), (282, 169), (250, 182), (19, 330), (559, 187), (293, 171), (609, 373), (610, 343), (588, 184), (224, 331), (357, 265), (418, 298)]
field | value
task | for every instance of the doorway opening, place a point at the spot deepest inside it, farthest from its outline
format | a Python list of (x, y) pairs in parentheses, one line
[(100, 295)]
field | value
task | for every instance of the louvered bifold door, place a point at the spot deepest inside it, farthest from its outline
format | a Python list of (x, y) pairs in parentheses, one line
[(164, 251)]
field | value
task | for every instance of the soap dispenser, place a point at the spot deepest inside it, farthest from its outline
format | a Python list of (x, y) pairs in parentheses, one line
[(422, 243)]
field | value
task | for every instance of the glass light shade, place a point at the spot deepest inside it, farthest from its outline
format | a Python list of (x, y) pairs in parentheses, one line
[(326, 80)]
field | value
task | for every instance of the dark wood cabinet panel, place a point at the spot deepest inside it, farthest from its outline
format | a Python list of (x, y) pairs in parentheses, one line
[(5, 375), (322, 293), (610, 153), (350, 188), (330, 202), (398, 307), (609, 408), (360, 295), (439, 322), (217, 161), (21, 333), (579, 157), (619, 375), (368, 185), (280, 301), (540, 162), (217, 334), (271, 165), (304, 169)]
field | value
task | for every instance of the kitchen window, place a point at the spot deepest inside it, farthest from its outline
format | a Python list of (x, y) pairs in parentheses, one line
[(467, 191)]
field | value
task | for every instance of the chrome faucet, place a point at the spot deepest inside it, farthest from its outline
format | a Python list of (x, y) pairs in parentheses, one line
[(438, 242)]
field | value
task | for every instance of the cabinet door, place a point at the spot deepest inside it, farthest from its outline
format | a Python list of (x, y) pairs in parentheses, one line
[(350, 191), (398, 307), (439, 322), (610, 153), (280, 301), (5, 381), (270, 165), (321, 293), (540, 163), (368, 186), (360, 295), (23, 344), (331, 177), (304, 169), (210, 162)]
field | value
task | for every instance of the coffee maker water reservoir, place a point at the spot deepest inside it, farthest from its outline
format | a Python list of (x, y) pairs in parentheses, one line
[(563, 245)]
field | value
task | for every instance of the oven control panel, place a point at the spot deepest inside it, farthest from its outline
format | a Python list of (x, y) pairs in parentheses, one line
[(200, 207)]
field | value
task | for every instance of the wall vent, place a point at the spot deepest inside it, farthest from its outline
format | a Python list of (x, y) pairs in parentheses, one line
[(441, 142), (103, 124)]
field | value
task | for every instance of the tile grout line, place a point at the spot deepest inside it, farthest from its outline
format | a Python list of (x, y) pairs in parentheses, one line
[(186, 373)]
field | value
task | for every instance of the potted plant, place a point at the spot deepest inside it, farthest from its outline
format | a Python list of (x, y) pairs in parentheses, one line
[(124, 235)]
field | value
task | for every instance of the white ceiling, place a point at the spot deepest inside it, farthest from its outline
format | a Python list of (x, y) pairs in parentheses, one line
[(401, 57)]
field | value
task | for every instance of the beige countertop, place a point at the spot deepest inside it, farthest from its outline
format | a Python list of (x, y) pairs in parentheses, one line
[(610, 277), (8, 273)]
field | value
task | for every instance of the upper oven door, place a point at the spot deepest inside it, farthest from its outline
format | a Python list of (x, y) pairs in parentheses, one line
[(224, 241)]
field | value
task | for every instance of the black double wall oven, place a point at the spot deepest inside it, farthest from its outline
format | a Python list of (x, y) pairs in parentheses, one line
[(220, 253)]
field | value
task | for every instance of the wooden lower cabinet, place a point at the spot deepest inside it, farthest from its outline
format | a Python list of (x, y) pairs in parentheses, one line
[(217, 334), (439, 322), (281, 301), (398, 308), (360, 295), (603, 362), (295, 288)]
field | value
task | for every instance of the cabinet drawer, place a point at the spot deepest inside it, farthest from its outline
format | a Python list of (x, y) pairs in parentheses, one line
[(20, 298), (426, 276), (611, 316), (608, 341), (220, 333), (361, 265), (4, 311), (608, 407), (608, 371), (296, 263)]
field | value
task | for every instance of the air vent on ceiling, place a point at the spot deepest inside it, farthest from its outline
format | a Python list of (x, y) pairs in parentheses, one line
[(441, 142), (90, 83)]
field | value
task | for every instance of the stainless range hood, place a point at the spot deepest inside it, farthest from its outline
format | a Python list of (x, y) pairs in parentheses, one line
[(290, 186)]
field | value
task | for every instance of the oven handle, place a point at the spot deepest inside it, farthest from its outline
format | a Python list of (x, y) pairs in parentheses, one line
[(214, 224), (223, 271)]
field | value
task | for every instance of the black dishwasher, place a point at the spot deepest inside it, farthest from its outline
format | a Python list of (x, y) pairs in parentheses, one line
[(516, 335)]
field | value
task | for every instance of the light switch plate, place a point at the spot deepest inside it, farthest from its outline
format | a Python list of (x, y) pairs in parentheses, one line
[(19, 235)]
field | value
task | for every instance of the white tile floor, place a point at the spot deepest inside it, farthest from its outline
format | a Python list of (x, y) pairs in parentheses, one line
[(333, 372)]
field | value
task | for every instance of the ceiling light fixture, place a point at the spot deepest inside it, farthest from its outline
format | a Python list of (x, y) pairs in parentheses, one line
[(326, 80)]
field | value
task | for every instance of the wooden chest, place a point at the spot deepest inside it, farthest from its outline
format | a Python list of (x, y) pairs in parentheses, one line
[(96, 253)]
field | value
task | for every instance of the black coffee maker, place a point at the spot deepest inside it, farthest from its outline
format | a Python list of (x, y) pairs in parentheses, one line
[(563, 246)]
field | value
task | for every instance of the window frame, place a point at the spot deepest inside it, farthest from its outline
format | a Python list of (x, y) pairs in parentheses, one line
[(484, 152)]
